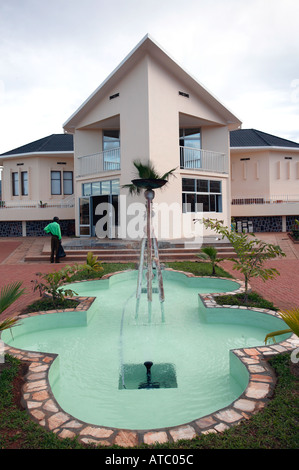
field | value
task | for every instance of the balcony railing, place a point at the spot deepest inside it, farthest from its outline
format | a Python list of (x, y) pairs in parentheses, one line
[(98, 162), (62, 204), (203, 160), (273, 199)]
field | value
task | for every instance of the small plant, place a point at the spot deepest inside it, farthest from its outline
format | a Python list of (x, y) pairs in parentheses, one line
[(8, 295), (53, 285), (210, 253), (291, 318), (93, 263), (295, 230)]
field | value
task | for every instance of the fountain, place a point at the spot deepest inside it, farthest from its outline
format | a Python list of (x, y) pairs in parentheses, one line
[(110, 359)]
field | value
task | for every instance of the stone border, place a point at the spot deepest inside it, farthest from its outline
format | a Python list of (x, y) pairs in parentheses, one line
[(41, 405)]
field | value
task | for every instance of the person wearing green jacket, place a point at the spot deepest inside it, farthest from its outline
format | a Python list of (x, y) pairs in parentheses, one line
[(54, 229)]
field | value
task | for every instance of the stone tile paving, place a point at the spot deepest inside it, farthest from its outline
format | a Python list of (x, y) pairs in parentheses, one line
[(41, 405)]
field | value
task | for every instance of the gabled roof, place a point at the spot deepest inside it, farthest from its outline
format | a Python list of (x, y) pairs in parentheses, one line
[(253, 138), (51, 144), (148, 46)]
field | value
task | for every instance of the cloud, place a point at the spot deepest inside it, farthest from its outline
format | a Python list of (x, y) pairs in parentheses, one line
[(55, 54)]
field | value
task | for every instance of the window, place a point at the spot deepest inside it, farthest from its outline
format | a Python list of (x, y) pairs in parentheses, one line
[(15, 184), (201, 195), (68, 182), (55, 182), (24, 183), (111, 148), (190, 145), (98, 188)]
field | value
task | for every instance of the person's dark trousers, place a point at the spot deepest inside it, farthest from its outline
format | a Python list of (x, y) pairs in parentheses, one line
[(54, 249)]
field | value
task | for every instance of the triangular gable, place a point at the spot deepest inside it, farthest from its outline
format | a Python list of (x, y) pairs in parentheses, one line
[(148, 45)]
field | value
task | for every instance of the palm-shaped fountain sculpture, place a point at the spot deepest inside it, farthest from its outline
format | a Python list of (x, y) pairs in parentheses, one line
[(149, 180)]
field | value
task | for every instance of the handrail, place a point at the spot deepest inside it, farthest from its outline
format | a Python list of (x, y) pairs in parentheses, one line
[(204, 160), (63, 203), (98, 162), (272, 199)]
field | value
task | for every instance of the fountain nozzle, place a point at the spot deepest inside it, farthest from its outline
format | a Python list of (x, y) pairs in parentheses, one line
[(149, 384)]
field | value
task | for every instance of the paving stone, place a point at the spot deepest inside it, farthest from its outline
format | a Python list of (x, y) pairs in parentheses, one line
[(96, 432), (184, 432), (38, 414), (257, 390), (126, 439), (66, 433), (221, 427), (57, 420), (155, 437), (40, 396), (245, 405), (50, 406), (228, 416), (205, 422)]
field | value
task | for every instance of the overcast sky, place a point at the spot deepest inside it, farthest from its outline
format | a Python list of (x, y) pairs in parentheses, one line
[(55, 53)]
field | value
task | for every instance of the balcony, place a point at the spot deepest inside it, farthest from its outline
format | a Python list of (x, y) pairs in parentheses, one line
[(203, 160), (37, 210), (274, 199), (107, 160)]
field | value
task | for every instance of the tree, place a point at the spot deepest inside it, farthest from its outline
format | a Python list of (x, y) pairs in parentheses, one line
[(52, 284), (291, 318), (148, 178), (209, 252), (251, 252), (8, 295)]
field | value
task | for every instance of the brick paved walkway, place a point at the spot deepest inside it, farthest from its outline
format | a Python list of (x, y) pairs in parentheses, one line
[(283, 291), (13, 268)]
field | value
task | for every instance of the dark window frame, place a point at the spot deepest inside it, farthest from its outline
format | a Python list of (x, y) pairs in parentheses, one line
[(211, 200)]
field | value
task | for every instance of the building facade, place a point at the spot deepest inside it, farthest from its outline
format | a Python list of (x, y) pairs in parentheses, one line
[(38, 184), (150, 109), (264, 181)]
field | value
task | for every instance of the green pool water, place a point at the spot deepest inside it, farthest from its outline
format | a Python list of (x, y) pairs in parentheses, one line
[(100, 355)]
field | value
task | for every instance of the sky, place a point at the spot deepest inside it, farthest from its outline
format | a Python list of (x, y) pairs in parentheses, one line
[(55, 53)]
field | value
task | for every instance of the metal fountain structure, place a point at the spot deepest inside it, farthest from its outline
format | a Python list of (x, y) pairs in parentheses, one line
[(149, 260), (149, 251)]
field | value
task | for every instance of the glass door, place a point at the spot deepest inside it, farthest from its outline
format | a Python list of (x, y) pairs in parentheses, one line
[(84, 216)]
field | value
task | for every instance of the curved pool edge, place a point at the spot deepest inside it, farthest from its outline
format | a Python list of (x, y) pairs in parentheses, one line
[(41, 405)]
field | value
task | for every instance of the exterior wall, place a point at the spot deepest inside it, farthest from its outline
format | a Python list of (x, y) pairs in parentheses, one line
[(284, 173), (268, 173), (261, 224), (33, 228), (23, 215), (249, 177), (39, 176), (270, 183)]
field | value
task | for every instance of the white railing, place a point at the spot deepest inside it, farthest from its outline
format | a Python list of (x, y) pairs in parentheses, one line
[(204, 160), (273, 199), (63, 203), (98, 162)]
